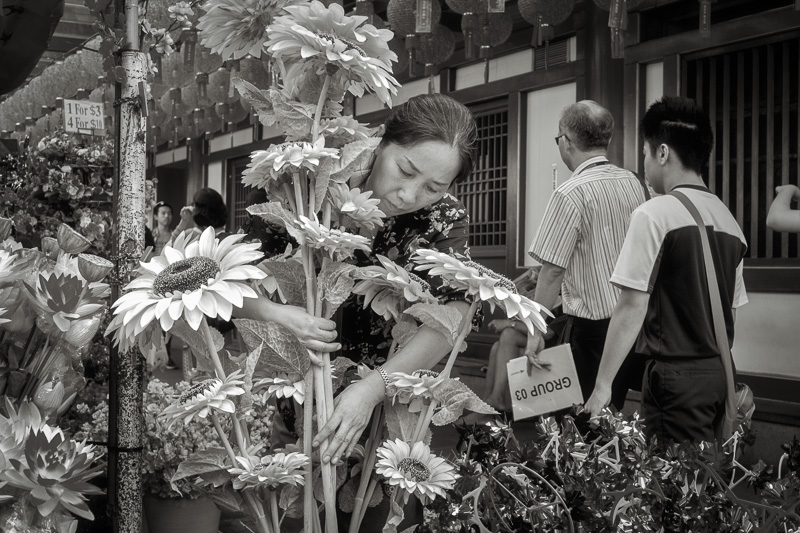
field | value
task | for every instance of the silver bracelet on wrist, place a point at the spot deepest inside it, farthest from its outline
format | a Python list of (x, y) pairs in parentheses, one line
[(384, 375)]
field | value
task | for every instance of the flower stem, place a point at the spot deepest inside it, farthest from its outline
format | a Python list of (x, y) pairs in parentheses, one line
[(312, 193), (367, 466), (320, 104), (212, 351), (298, 194), (309, 505), (225, 442), (367, 498), (420, 427), (273, 503), (466, 326), (258, 511)]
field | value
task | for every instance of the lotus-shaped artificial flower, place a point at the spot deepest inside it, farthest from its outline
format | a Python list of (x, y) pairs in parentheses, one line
[(390, 289), (269, 471), (415, 469), (413, 388), (70, 241), (7, 270), (235, 28), (5, 228), (278, 159), (481, 282), (94, 268), (61, 299), (357, 206), (281, 388), (15, 428), (206, 277), (336, 243), (353, 50), (203, 398), (55, 472)]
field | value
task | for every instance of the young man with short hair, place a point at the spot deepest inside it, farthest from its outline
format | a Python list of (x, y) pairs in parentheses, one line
[(664, 307)]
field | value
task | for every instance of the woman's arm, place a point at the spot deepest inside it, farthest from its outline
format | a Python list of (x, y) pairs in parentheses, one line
[(315, 333), (354, 406)]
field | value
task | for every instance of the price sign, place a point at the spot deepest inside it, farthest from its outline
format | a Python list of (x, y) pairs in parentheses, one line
[(84, 116), (544, 391)]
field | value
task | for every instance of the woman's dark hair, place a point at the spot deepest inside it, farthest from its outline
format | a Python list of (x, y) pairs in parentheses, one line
[(682, 125), (435, 117), (159, 205), (209, 209)]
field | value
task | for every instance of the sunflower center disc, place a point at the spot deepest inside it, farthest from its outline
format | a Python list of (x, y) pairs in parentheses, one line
[(347, 44), (414, 469), (185, 275), (501, 280), (194, 390)]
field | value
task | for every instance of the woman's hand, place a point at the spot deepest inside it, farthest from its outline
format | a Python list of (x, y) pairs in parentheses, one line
[(316, 333), (352, 410)]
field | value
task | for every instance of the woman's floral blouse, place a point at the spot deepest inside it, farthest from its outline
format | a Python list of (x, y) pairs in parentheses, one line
[(444, 226)]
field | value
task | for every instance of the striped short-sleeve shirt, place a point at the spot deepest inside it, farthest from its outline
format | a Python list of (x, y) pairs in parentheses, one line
[(582, 231)]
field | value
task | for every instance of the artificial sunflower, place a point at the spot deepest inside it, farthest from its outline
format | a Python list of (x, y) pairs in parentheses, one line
[(415, 469), (336, 243), (278, 159), (357, 206), (55, 472), (481, 282), (269, 471), (206, 277), (413, 388), (358, 52), (203, 398), (235, 28), (281, 388), (390, 289)]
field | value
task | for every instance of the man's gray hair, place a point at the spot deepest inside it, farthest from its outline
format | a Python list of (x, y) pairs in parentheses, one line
[(588, 124)]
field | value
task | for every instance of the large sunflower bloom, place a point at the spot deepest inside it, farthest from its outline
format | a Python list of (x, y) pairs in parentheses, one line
[(55, 472), (205, 277), (330, 38), (481, 282), (269, 471), (390, 289), (202, 399), (336, 243), (278, 159), (235, 28), (415, 469), (413, 388)]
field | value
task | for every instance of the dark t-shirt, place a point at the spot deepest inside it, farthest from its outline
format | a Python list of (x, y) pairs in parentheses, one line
[(663, 255)]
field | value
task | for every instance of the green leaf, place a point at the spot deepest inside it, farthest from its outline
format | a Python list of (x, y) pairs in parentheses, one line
[(291, 501), (281, 351), (227, 499), (339, 367), (354, 161), (291, 278), (396, 516), (258, 99), (204, 462), (443, 318), (275, 213), (347, 496), (197, 343), (335, 285), (250, 366), (454, 397), (322, 180), (401, 423), (404, 331)]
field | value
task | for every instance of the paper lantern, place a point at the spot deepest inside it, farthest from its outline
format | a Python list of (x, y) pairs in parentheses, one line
[(435, 48), (219, 84), (544, 15), (618, 21), (469, 11), (404, 16), (207, 61)]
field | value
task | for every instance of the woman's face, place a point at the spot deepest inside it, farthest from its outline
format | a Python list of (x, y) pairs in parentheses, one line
[(408, 178)]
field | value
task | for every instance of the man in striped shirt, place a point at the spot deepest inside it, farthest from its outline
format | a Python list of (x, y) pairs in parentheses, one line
[(579, 240)]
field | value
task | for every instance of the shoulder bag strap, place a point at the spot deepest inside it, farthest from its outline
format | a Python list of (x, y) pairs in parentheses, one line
[(643, 183), (720, 331)]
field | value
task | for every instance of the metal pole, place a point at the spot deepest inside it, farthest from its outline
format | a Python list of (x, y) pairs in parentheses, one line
[(127, 369)]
